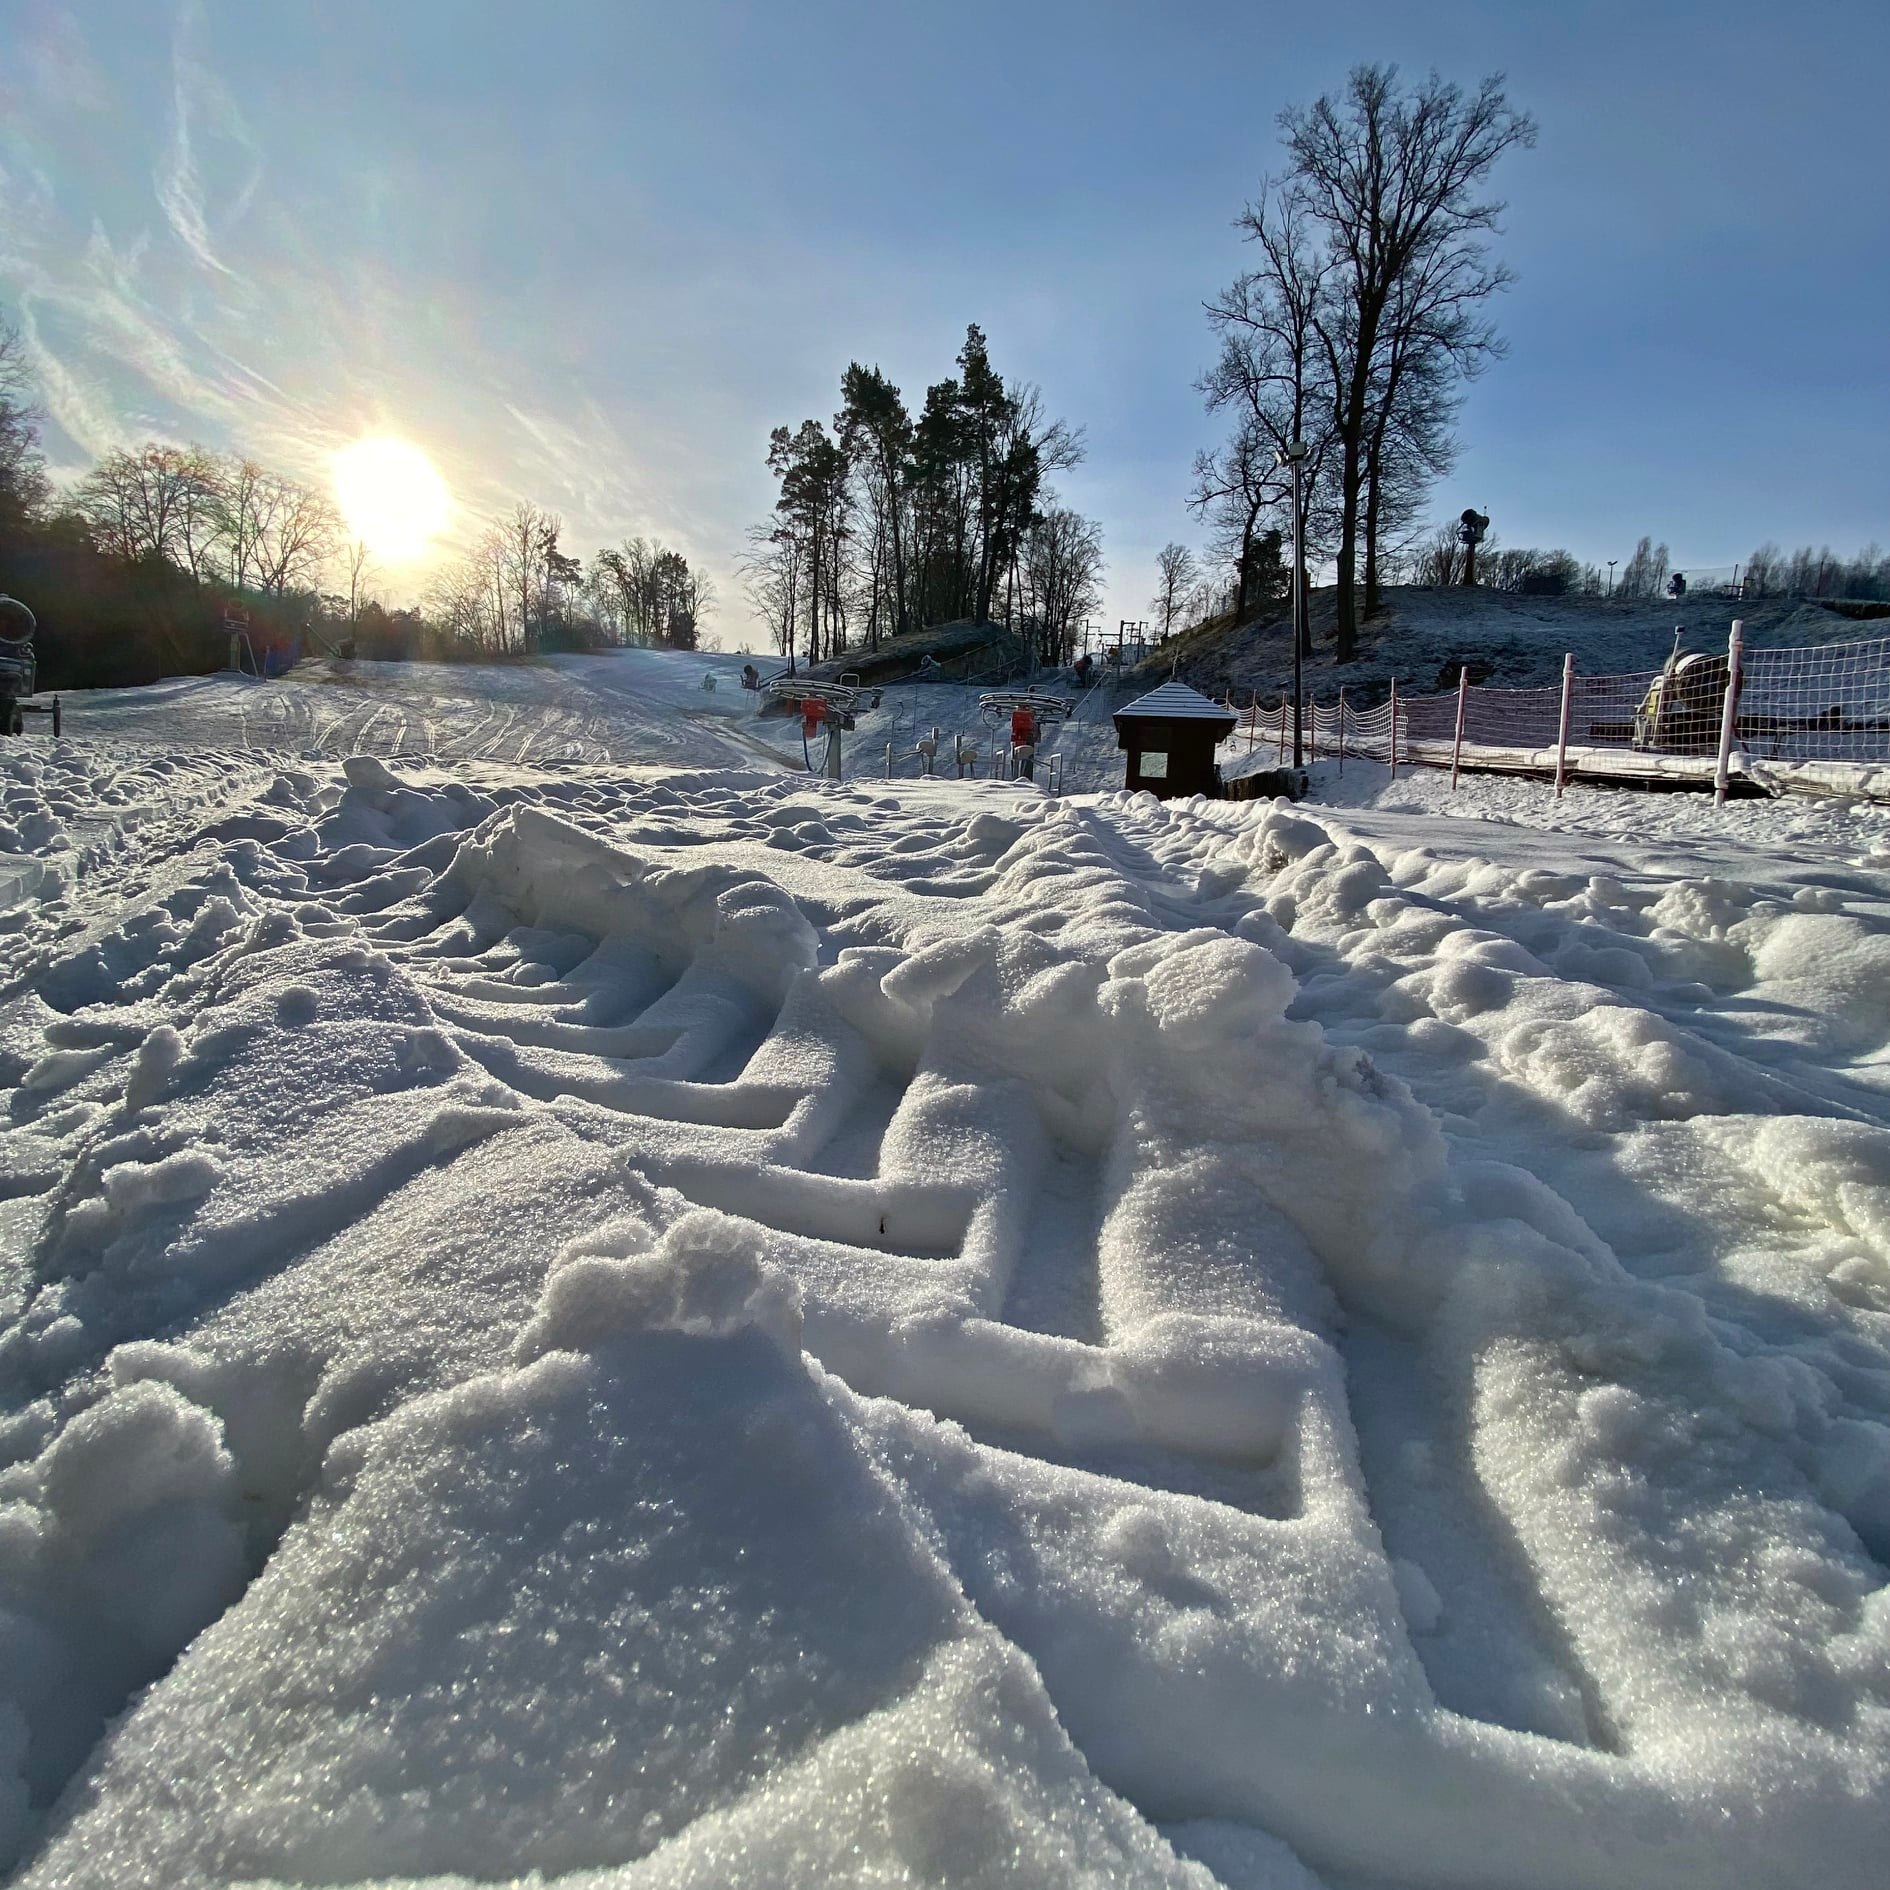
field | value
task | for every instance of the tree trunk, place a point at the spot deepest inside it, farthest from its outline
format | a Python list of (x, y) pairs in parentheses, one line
[(1344, 589), (1373, 467), (898, 549), (813, 601)]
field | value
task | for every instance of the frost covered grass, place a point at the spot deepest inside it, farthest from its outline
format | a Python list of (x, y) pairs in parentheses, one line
[(707, 1327)]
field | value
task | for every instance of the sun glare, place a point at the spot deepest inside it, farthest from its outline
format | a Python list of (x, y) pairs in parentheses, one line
[(392, 496)]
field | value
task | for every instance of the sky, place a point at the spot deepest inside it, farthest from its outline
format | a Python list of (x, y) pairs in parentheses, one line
[(589, 254)]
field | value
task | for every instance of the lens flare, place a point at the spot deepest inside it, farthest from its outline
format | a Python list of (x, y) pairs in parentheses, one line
[(392, 497)]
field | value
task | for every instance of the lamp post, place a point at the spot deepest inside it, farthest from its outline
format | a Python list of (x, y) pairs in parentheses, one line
[(1294, 455)]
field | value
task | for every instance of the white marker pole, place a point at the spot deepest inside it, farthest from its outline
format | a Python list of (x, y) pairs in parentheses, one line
[(1456, 748), (1729, 715), (1561, 733)]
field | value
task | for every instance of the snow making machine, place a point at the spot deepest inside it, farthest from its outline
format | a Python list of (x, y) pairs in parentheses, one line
[(19, 673)]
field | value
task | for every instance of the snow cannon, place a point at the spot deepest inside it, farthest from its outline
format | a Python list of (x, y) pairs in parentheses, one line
[(1471, 527), (19, 670), (965, 753), (1680, 714)]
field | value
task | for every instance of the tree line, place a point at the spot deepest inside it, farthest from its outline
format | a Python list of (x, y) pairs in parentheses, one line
[(1814, 572), (1770, 572), (137, 568), (888, 522), (517, 592)]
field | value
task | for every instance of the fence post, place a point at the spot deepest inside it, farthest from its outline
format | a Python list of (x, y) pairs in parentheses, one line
[(1729, 715), (1456, 747), (1342, 730), (1280, 744), (1253, 720), (1394, 728), (889, 761), (1312, 731), (1561, 731)]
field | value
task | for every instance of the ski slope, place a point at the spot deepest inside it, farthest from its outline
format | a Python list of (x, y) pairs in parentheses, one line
[(576, 1308), (621, 705), (616, 705)]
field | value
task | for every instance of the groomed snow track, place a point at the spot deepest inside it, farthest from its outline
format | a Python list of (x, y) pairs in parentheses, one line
[(699, 1328)]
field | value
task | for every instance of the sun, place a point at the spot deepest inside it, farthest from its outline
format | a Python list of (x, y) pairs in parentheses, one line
[(392, 497)]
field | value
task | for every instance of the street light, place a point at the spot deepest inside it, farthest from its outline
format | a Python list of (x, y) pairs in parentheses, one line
[(1294, 455)]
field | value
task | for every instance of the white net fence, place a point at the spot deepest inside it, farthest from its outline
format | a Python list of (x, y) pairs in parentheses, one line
[(1829, 705)]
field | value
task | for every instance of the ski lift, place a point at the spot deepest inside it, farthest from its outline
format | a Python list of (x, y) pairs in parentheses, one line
[(1006, 705), (799, 690)]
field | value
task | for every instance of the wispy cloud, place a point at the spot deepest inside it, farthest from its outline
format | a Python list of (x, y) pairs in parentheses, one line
[(176, 281), (199, 98)]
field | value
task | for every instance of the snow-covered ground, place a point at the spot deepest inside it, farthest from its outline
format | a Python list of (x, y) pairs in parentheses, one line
[(641, 1325), (617, 705)]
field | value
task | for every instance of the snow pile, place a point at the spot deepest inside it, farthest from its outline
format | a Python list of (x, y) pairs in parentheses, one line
[(701, 1328)]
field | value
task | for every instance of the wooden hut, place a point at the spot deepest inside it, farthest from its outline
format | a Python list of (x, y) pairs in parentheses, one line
[(1170, 735)]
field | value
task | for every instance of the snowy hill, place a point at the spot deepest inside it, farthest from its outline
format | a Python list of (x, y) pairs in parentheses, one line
[(1425, 634), (577, 1305)]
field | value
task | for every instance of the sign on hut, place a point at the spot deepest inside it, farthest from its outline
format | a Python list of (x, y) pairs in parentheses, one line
[(1171, 734)]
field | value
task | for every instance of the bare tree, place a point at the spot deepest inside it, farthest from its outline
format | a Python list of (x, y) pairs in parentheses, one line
[(22, 470), (1389, 179), (1060, 568), (1439, 560), (1273, 375), (1236, 487), (1175, 574), (772, 576), (360, 571), (294, 531), (530, 534), (1645, 573), (157, 502)]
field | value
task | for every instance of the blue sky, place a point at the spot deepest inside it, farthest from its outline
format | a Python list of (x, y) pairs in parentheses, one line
[(590, 253)]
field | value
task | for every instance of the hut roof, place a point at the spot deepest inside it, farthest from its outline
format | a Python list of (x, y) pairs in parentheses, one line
[(1176, 702)]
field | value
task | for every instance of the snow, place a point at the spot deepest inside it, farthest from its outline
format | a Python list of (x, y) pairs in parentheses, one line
[(631, 1316)]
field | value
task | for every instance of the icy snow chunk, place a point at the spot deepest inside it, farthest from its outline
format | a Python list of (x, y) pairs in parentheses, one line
[(186, 1176), (141, 1448), (157, 1057), (706, 1279), (370, 773)]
